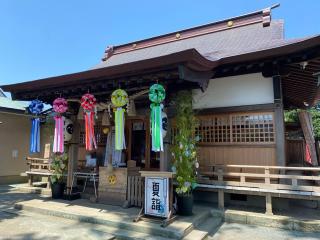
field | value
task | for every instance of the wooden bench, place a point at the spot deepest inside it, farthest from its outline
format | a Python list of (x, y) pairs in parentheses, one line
[(274, 181), (38, 167)]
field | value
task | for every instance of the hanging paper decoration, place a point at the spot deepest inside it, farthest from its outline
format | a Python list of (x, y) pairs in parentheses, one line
[(156, 95), (60, 106), (35, 107), (119, 98), (88, 103)]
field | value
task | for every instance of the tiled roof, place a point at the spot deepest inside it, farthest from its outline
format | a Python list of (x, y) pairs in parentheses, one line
[(216, 45)]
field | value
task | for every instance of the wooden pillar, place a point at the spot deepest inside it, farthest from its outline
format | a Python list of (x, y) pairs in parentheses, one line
[(30, 180), (220, 191), (279, 122), (165, 156), (221, 199), (73, 152), (269, 204)]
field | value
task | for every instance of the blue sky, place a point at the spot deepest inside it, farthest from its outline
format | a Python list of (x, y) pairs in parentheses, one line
[(42, 38)]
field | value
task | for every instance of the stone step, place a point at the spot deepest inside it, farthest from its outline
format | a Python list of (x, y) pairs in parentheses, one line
[(204, 229), (264, 220), (121, 234), (116, 217), (96, 231)]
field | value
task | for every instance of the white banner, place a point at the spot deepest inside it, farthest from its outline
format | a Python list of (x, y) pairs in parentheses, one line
[(156, 196)]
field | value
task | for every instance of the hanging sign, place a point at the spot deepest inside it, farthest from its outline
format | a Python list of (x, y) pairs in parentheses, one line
[(35, 107), (157, 196), (119, 98), (156, 95)]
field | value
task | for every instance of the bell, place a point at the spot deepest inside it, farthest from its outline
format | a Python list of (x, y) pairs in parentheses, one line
[(105, 130), (105, 119), (80, 114), (131, 108)]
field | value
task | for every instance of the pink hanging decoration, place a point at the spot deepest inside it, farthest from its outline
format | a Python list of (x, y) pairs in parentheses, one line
[(60, 106), (88, 103)]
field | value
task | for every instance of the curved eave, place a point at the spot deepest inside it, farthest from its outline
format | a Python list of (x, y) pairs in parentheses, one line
[(190, 58)]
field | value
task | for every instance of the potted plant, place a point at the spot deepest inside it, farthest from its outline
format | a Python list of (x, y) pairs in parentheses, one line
[(59, 166), (184, 152)]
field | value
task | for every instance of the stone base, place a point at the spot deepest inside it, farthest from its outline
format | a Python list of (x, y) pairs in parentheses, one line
[(120, 220), (275, 221)]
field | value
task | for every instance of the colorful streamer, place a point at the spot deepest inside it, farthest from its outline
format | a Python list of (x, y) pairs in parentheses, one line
[(35, 136), (35, 108), (60, 106), (156, 95), (119, 128), (90, 136), (58, 141), (88, 103), (119, 98)]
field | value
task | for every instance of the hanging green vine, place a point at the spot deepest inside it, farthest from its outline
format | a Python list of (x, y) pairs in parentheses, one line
[(184, 152)]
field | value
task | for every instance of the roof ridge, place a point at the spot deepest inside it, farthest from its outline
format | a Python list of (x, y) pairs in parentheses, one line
[(263, 15)]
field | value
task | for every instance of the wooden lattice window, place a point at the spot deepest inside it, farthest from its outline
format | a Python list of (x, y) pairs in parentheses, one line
[(235, 128), (101, 138), (253, 128), (214, 129)]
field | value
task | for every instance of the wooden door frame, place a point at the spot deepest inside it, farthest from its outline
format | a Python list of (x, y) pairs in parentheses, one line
[(129, 121)]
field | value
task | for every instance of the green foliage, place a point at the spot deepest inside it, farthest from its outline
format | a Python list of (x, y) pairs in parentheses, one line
[(315, 113), (59, 165), (291, 116), (184, 149)]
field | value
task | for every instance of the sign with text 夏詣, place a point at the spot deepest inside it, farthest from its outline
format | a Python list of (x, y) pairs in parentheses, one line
[(157, 196)]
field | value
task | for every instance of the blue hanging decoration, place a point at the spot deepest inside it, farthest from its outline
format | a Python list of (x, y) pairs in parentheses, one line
[(35, 108)]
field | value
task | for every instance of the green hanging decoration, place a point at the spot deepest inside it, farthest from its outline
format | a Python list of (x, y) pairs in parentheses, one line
[(119, 98), (156, 95)]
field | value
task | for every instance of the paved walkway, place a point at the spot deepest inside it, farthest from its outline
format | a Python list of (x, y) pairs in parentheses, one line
[(22, 225), (235, 231), (34, 226)]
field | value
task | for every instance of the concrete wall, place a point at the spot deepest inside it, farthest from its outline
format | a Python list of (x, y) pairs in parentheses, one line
[(14, 146), (248, 89)]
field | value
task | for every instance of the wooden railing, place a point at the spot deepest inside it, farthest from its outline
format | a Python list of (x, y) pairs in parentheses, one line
[(39, 165), (266, 177)]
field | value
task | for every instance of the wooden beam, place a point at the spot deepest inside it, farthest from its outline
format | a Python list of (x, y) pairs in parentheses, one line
[(247, 108), (202, 78), (73, 153), (279, 121)]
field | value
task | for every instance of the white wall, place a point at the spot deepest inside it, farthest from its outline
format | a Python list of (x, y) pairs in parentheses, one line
[(248, 89)]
